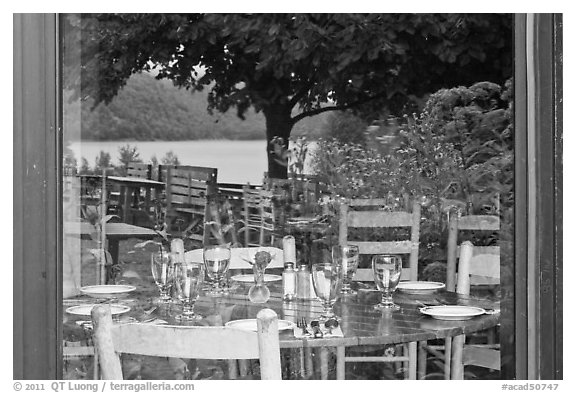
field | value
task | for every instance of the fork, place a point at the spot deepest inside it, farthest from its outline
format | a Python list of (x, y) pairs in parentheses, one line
[(302, 323)]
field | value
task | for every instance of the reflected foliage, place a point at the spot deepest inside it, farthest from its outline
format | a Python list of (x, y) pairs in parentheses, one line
[(291, 66), (456, 155)]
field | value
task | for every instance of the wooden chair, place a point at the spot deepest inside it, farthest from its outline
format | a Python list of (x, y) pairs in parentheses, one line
[(474, 268), (258, 216), (313, 186), (185, 342), (368, 213), (457, 227), (138, 169), (137, 202), (222, 225), (188, 191)]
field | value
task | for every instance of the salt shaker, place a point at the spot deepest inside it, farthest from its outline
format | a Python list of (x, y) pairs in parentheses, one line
[(289, 274), (289, 281)]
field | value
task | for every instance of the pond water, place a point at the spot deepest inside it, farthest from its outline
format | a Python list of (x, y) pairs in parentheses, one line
[(237, 161)]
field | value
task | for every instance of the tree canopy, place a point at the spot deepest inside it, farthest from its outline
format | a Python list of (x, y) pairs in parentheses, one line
[(292, 66)]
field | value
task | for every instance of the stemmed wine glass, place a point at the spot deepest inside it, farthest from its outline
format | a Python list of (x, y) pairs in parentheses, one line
[(347, 257), (327, 281), (387, 270), (188, 280), (163, 274), (217, 262)]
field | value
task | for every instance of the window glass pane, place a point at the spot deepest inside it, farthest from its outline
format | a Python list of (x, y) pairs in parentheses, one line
[(423, 127)]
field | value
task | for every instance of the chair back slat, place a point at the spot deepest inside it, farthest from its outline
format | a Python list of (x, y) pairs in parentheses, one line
[(399, 247), (188, 191), (182, 184), (138, 169), (185, 200), (195, 172), (259, 216), (175, 341), (379, 219), (479, 223), (186, 342)]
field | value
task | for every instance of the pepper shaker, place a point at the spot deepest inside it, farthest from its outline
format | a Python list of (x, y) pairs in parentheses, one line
[(303, 282)]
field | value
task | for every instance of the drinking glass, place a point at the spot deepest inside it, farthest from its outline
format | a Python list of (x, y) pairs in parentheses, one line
[(188, 280), (163, 274), (347, 257), (387, 270), (217, 262), (327, 281)]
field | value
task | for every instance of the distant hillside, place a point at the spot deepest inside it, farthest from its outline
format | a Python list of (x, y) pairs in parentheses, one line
[(149, 109)]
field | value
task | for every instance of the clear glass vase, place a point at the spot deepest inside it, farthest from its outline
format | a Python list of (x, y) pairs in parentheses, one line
[(259, 292)]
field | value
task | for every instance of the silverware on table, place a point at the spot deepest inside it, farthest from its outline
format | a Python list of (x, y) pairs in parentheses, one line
[(315, 325), (331, 324), (302, 324)]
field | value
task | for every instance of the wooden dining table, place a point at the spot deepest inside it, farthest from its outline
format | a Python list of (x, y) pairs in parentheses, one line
[(129, 186), (115, 232), (360, 323)]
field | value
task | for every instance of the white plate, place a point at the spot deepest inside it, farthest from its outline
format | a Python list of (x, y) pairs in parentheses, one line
[(419, 287), (251, 324), (250, 278), (85, 309), (106, 291), (452, 313)]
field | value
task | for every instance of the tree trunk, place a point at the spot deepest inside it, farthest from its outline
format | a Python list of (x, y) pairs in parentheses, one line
[(278, 124)]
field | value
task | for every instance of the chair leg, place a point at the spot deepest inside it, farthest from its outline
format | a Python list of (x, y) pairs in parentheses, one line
[(447, 357), (422, 360), (340, 363), (232, 369), (412, 350), (456, 365), (303, 373), (309, 363), (244, 367), (323, 354)]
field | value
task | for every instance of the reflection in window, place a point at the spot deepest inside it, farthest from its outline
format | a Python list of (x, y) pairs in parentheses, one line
[(397, 107)]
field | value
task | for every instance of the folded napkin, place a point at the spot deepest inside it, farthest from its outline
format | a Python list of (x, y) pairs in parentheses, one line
[(336, 332)]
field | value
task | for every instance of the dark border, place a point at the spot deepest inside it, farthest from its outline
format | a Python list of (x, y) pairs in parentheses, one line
[(37, 226), (547, 137), (36, 321), (514, 332), (558, 157), (538, 193)]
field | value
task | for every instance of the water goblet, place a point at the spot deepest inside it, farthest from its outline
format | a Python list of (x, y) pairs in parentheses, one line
[(163, 274), (387, 270), (188, 280), (217, 262), (327, 281), (346, 256)]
